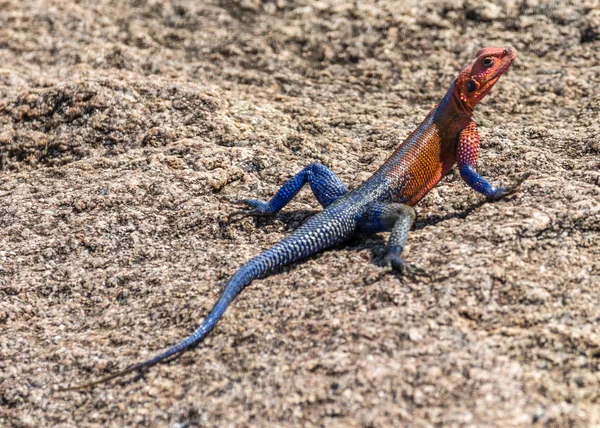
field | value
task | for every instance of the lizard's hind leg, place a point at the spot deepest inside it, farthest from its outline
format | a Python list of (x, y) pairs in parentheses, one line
[(398, 219), (326, 186)]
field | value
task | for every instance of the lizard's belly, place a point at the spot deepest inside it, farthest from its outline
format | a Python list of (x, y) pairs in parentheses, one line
[(422, 186), (418, 179)]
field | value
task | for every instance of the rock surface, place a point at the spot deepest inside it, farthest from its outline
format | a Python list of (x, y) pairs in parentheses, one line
[(126, 129)]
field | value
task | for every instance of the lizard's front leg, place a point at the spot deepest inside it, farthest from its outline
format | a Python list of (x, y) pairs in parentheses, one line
[(326, 186), (467, 156), (397, 219)]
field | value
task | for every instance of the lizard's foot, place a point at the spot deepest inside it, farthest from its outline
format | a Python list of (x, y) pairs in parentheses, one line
[(257, 209), (405, 269), (503, 192)]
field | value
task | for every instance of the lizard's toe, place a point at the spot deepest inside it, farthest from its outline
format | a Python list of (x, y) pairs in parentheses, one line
[(503, 192), (405, 269), (256, 209)]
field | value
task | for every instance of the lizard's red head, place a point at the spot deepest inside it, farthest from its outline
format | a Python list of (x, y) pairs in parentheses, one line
[(476, 79)]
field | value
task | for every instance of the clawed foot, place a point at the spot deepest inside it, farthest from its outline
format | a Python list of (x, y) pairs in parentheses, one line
[(503, 192), (257, 209), (405, 269)]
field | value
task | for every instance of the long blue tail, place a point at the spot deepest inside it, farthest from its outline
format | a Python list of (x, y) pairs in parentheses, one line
[(324, 230)]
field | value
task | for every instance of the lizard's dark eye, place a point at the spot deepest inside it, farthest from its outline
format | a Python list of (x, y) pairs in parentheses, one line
[(471, 85), (487, 62)]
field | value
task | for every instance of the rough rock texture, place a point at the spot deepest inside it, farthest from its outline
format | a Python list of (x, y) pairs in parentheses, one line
[(126, 129)]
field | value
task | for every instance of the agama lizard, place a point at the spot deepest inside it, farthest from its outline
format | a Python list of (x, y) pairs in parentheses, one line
[(446, 137)]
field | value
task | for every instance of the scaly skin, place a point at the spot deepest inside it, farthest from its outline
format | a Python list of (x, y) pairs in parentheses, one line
[(447, 136)]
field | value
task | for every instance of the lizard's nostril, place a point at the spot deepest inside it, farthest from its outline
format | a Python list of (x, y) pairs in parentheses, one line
[(509, 50)]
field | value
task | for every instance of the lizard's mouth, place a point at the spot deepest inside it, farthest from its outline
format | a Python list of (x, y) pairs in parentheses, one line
[(489, 84)]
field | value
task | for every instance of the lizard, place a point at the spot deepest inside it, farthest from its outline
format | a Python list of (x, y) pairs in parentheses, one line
[(383, 203)]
